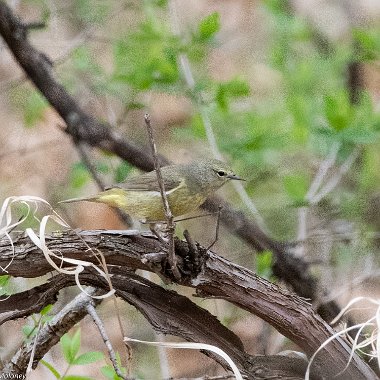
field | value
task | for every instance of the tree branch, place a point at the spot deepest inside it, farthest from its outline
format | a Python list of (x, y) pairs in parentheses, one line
[(50, 334), (218, 278), (169, 313)]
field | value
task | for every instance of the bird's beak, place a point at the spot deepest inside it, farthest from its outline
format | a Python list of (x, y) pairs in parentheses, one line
[(233, 176)]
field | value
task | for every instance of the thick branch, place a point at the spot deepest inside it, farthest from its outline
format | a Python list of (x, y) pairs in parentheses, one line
[(168, 313), (219, 278)]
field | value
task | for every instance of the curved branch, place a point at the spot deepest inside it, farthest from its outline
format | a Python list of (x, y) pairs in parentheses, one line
[(217, 278), (168, 313)]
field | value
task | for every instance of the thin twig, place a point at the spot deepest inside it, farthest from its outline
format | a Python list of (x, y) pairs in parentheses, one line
[(31, 359), (99, 324), (330, 186), (323, 170), (81, 148), (313, 196), (168, 214)]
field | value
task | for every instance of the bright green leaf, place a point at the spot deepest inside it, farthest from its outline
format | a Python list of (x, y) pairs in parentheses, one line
[(338, 110), (234, 88), (46, 309), (75, 343), (264, 264), (4, 280), (88, 357), (197, 126), (296, 187), (109, 372), (209, 26), (369, 42), (65, 343)]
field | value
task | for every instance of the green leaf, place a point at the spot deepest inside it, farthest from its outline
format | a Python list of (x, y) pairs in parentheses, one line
[(338, 110), (235, 88), (109, 372), (89, 11), (209, 26), (122, 171), (4, 280), (34, 108), (88, 357), (51, 368), (46, 309), (65, 343), (160, 3), (75, 343), (197, 126), (31, 103), (369, 42), (359, 135), (296, 187), (264, 264), (79, 175), (147, 58)]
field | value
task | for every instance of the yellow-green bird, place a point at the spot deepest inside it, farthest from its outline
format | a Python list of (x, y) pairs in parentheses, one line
[(187, 186)]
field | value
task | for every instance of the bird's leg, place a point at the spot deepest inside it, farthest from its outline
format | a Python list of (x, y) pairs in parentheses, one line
[(216, 229)]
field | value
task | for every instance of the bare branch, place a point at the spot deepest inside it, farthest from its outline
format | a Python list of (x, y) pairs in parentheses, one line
[(94, 315), (218, 278), (50, 334), (169, 216)]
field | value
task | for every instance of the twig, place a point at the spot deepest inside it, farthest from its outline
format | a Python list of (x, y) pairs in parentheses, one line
[(330, 186), (322, 171), (169, 216), (94, 315), (185, 66), (81, 148), (50, 333), (31, 359)]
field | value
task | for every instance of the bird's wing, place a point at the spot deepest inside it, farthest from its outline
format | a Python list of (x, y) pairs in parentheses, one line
[(147, 182)]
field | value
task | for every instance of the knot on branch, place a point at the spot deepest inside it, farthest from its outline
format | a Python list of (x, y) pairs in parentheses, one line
[(193, 255)]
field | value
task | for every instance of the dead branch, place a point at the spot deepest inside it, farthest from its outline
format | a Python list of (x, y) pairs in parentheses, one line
[(218, 278)]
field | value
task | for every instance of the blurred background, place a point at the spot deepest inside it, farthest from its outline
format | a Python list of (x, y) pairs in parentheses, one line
[(287, 92)]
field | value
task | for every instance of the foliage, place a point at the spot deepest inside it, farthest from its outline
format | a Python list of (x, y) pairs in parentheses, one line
[(32, 104), (70, 346)]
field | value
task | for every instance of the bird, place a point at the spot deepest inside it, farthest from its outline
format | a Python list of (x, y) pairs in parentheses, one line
[(186, 185)]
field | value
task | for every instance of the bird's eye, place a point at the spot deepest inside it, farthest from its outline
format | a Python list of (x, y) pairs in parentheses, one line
[(221, 173)]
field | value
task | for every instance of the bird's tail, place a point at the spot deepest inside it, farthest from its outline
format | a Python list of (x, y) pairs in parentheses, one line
[(83, 199)]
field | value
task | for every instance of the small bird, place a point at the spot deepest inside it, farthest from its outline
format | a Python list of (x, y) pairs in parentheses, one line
[(187, 186)]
